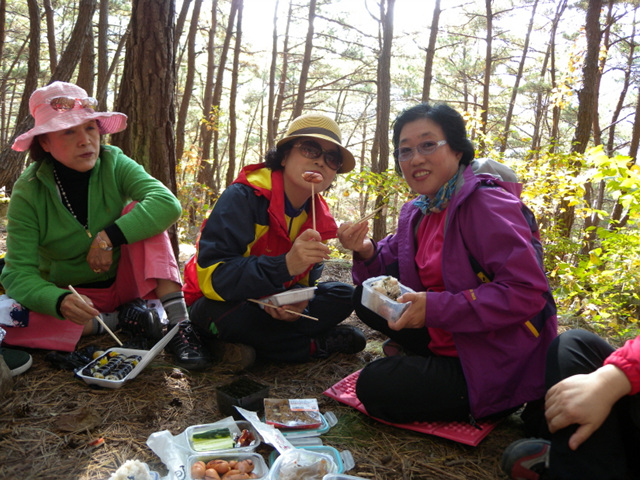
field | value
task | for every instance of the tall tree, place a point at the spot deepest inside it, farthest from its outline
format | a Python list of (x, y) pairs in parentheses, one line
[(271, 127), (548, 67), (380, 147), (147, 90), (206, 134), (516, 84), (431, 52), (282, 84), (51, 34), (488, 66), (207, 168), (587, 97), (188, 83), (233, 126), (306, 62)]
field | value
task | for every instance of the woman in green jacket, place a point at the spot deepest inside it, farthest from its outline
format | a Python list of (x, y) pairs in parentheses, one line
[(87, 216)]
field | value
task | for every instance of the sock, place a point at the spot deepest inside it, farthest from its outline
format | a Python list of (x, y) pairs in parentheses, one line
[(174, 307), (110, 321)]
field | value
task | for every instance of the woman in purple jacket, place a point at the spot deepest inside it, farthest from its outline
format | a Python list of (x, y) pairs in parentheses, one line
[(473, 341)]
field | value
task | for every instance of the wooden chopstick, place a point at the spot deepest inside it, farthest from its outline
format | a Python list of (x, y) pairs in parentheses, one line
[(97, 317), (288, 311), (371, 215)]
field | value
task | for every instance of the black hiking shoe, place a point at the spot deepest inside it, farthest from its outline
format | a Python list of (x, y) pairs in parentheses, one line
[(138, 320), (340, 339), (187, 349)]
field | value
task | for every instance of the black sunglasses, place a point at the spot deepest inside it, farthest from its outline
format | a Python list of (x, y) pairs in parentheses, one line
[(313, 150)]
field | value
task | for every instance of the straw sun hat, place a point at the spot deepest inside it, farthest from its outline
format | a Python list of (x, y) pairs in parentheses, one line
[(319, 126), (72, 107)]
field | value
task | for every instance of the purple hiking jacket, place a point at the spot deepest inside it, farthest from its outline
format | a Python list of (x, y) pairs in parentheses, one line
[(502, 328)]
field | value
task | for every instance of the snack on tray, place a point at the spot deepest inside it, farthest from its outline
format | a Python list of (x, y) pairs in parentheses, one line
[(388, 286), (111, 366), (278, 412)]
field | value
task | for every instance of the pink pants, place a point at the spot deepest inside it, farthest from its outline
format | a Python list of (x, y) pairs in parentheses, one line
[(140, 265)]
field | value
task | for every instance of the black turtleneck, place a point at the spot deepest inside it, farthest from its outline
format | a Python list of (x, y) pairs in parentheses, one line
[(76, 187)]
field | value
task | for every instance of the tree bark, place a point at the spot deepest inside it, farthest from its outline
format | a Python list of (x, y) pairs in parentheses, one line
[(282, 84), (380, 148), (488, 62), (514, 91), (207, 169), (51, 34), (147, 90), (233, 127), (431, 53), (188, 84), (271, 127), (587, 98), (205, 132), (306, 62)]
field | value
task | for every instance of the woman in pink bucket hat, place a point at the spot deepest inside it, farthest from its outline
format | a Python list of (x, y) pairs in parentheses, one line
[(84, 215)]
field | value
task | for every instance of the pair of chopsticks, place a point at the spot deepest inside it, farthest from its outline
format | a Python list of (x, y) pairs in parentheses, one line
[(265, 304), (371, 215), (97, 317)]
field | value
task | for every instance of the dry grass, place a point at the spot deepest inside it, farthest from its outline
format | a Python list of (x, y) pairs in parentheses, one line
[(49, 420)]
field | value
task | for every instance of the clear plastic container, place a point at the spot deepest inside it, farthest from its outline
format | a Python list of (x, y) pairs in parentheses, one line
[(260, 466), (300, 464), (343, 460), (384, 306), (235, 428)]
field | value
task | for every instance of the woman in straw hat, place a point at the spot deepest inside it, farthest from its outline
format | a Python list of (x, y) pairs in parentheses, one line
[(260, 240), (84, 215)]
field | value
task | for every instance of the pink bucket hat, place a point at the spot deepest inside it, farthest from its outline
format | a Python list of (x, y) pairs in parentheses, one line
[(78, 110)]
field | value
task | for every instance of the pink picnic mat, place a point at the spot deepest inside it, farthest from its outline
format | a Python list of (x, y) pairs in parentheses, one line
[(345, 392)]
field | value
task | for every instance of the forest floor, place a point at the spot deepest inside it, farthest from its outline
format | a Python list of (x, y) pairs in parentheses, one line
[(51, 419)]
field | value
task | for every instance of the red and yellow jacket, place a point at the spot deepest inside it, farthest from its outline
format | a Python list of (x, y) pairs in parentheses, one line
[(242, 246)]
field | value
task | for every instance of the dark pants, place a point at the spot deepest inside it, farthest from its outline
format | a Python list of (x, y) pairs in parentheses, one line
[(418, 387), (277, 340), (611, 451)]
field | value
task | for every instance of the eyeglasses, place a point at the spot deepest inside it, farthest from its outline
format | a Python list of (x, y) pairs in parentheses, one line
[(404, 154), (313, 150), (64, 104)]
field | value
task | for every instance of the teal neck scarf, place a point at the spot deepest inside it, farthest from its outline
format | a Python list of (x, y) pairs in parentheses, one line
[(440, 200)]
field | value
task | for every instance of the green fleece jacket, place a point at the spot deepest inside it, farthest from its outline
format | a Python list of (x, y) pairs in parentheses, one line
[(47, 247)]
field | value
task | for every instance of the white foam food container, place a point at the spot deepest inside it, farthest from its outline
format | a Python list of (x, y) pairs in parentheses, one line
[(260, 468), (146, 357), (384, 306), (290, 297)]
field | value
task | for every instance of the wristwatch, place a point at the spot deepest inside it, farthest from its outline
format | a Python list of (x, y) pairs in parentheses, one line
[(102, 244)]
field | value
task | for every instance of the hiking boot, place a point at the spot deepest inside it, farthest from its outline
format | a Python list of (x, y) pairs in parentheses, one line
[(340, 339), (187, 349), (137, 319), (236, 357), (17, 360), (526, 459)]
